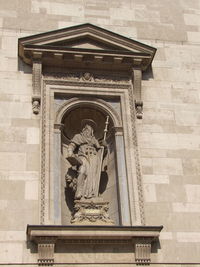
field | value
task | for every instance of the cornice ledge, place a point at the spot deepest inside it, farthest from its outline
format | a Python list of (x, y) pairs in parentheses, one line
[(46, 236)]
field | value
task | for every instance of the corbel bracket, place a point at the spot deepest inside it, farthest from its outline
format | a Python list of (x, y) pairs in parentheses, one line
[(137, 80), (143, 250), (36, 81), (46, 246)]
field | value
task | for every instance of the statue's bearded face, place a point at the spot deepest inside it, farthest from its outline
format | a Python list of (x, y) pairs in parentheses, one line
[(88, 130)]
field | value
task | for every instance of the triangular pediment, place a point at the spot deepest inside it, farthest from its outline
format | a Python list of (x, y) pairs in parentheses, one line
[(85, 38), (87, 42)]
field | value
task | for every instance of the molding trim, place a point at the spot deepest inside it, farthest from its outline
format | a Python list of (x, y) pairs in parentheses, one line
[(93, 102), (137, 158), (43, 159)]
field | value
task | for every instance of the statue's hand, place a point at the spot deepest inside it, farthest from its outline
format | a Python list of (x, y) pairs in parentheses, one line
[(79, 161), (104, 143)]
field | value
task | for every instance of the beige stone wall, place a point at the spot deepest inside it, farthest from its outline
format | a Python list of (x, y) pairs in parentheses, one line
[(168, 134)]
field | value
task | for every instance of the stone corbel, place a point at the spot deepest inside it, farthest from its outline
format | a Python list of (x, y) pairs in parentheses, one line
[(46, 247), (137, 79), (36, 81), (143, 250)]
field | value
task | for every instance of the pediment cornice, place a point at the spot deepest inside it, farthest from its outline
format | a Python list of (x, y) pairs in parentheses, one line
[(86, 43)]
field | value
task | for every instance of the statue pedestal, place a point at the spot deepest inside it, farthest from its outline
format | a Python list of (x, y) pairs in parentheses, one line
[(91, 212)]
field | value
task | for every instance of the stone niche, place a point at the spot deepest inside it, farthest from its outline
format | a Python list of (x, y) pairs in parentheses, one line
[(71, 122), (87, 92)]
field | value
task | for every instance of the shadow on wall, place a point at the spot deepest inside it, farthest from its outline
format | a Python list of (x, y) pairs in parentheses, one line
[(155, 246), (24, 67), (148, 74)]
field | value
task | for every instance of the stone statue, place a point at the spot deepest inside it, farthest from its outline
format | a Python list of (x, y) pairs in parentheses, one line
[(85, 154)]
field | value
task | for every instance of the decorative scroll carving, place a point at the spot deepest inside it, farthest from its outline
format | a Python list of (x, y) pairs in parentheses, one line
[(36, 81)]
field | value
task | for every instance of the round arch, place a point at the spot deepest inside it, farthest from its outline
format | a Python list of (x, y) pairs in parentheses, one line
[(94, 103)]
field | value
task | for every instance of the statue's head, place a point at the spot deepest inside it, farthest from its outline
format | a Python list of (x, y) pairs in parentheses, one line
[(88, 126)]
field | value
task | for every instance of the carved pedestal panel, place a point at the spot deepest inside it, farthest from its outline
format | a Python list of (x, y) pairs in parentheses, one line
[(94, 212)]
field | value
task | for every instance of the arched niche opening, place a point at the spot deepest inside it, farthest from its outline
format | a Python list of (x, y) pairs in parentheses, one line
[(108, 185)]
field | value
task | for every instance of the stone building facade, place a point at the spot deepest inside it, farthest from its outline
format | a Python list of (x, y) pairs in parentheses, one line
[(161, 155)]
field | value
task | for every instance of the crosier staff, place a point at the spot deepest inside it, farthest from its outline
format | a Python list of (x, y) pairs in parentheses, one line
[(101, 156)]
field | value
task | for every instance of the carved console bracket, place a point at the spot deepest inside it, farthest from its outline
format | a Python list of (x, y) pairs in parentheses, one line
[(136, 80), (36, 81), (46, 250), (139, 237), (143, 250)]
